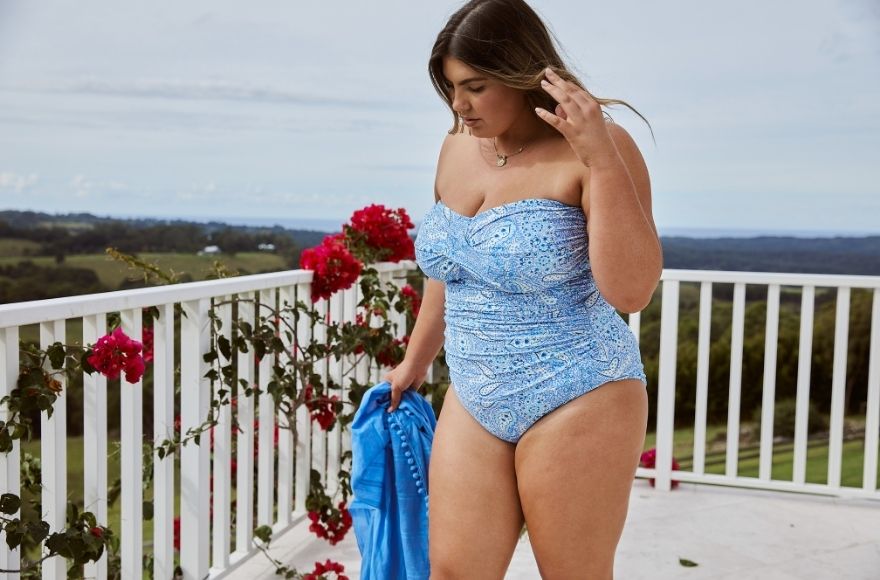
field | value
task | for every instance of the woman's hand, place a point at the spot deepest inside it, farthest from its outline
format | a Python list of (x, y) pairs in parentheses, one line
[(403, 376), (579, 118)]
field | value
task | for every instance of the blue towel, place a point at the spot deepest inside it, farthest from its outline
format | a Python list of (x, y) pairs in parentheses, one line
[(389, 481)]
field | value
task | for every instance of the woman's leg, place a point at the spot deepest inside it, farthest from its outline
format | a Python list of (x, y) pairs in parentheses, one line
[(575, 468), (474, 512)]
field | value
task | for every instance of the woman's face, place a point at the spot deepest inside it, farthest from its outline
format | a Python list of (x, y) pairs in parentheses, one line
[(488, 107)]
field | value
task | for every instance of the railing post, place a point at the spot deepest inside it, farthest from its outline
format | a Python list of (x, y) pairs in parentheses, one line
[(131, 461), (53, 450), (285, 433), (266, 454), (735, 386), (9, 462), (872, 420), (838, 387), (222, 495), (195, 394), (163, 428), (802, 401), (95, 440), (666, 384), (768, 400), (303, 419), (244, 489)]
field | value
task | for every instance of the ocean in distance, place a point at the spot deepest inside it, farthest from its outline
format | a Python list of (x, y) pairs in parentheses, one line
[(335, 225)]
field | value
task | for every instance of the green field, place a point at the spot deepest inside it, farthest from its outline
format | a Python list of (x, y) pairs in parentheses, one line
[(852, 458), (13, 247), (111, 272)]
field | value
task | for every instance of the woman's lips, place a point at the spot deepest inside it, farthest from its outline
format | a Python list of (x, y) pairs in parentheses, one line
[(470, 122)]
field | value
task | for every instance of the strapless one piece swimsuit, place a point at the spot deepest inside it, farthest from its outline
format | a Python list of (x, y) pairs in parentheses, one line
[(526, 327)]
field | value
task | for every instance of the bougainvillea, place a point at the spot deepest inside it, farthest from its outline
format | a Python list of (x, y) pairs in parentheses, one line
[(330, 524), (334, 267), (411, 299), (147, 337), (321, 570), (323, 409), (382, 229), (649, 459), (116, 352)]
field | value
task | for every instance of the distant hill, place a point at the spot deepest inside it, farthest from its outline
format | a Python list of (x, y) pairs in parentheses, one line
[(838, 255), (820, 255)]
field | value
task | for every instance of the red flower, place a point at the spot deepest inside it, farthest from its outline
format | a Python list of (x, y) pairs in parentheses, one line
[(649, 459), (385, 229), (412, 298), (147, 337), (97, 531), (331, 524), (328, 566), (322, 409), (335, 268), (177, 533), (116, 352), (393, 353)]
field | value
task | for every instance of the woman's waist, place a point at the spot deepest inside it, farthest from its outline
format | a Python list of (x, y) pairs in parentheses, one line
[(473, 307)]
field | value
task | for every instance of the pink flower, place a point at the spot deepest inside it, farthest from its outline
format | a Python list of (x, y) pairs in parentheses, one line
[(649, 459), (412, 298), (335, 268), (147, 337), (115, 353)]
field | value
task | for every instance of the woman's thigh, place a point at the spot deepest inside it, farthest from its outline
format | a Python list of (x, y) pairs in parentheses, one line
[(575, 468), (474, 512)]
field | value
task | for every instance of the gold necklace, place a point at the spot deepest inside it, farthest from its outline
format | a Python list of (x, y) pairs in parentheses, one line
[(500, 158)]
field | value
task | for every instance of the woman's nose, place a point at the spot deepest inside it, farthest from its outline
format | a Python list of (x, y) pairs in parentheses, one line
[(458, 105)]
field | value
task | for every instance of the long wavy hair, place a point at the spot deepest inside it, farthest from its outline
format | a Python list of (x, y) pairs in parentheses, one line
[(505, 40)]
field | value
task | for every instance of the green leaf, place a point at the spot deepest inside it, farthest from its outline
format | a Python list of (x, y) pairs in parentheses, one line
[(148, 510), (5, 441), (84, 362), (38, 531), (225, 347), (9, 503), (56, 355), (210, 356), (264, 533), (687, 563), (14, 530)]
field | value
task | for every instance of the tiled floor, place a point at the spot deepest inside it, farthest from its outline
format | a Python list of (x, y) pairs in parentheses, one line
[(729, 533)]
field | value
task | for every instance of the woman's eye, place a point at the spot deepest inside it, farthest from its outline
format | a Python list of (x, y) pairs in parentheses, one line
[(477, 89)]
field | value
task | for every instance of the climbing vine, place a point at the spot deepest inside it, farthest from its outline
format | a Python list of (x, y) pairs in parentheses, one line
[(374, 233)]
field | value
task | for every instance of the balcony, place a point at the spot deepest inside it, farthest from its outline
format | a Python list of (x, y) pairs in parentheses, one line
[(749, 503)]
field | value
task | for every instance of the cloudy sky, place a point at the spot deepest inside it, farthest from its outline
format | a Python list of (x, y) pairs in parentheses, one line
[(766, 114)]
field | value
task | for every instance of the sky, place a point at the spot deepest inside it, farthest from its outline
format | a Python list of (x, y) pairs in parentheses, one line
[(766, 115)]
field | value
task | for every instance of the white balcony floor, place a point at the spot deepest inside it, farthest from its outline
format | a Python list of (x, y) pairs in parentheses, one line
[(730, 533)]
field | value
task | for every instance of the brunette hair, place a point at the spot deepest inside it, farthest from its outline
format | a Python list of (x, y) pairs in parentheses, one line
[(505, 40)]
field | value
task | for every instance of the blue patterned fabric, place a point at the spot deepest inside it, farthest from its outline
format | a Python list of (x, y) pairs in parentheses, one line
[(390, 454), (526, 327)]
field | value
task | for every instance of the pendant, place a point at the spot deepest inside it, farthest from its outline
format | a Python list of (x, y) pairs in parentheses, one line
[(501, 161)]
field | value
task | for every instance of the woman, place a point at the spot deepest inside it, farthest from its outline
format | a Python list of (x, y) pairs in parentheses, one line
[(540, 229)]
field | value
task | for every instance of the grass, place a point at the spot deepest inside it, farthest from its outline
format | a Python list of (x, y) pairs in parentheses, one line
[(852, 459), (112, 273), (13, 247)]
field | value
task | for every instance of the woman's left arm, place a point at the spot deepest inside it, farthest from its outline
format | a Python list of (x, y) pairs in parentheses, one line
[(625, 252)]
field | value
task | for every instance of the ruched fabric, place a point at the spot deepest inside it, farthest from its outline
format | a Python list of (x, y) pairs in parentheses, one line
[(527, 330)]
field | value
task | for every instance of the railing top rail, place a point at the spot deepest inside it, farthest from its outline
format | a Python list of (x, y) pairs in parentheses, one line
[(790, 279), (37, 311)]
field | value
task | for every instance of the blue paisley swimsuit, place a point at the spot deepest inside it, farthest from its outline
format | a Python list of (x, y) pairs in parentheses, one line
[(526, 327)]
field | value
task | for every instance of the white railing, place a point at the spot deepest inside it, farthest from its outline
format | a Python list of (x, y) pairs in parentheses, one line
[(806, 284), (213, 547), (209, 546)]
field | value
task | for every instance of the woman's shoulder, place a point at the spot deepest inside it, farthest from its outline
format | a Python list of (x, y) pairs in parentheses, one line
[(451, 148)]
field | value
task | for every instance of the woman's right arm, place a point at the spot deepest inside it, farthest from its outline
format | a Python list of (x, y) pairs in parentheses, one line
[(424, 343)]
